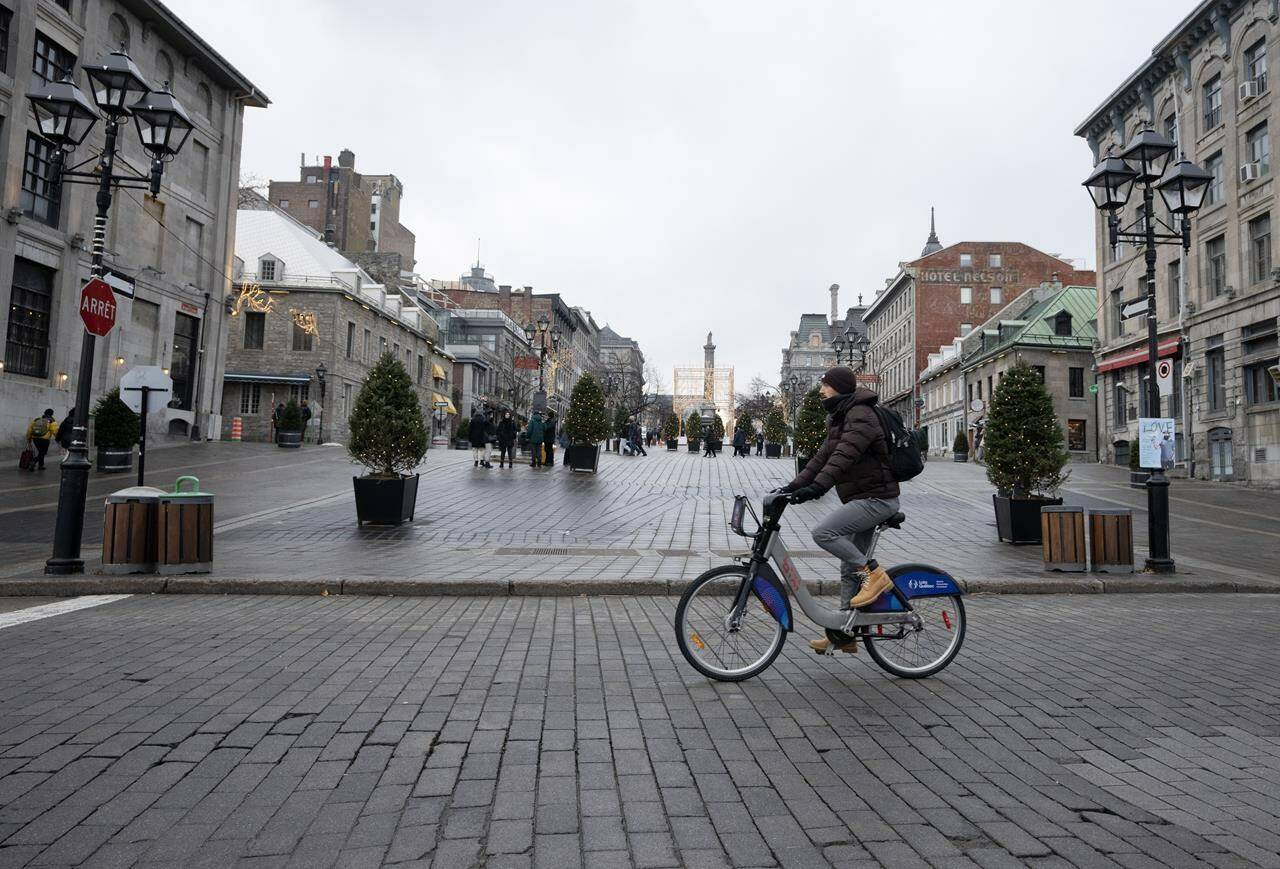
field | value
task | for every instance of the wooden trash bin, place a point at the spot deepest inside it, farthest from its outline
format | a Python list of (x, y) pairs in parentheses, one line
[(1062, 538), (129, 531), (1111, 540), (184, 529)]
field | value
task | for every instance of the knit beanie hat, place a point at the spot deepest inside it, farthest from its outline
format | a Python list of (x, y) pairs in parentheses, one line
[(842, 379)]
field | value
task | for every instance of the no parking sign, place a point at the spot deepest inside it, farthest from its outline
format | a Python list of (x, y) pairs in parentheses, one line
[(1164, 376)]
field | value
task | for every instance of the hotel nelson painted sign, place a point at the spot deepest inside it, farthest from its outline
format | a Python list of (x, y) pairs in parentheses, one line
[(998, 277)]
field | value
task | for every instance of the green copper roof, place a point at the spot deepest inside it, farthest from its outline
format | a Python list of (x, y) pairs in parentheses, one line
[(1035, 325)]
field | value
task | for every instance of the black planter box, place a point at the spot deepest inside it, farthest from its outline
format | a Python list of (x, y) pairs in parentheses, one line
[(289, 440), (772, 451), (1018, 519), (695, 445), (582, 457), (959, 457), (113, 460), (385, 501), (673, 444)]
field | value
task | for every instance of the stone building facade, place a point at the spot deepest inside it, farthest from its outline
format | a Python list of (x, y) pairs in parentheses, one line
[(176, 248), (1205, 85), (299, 304), (944, 293)]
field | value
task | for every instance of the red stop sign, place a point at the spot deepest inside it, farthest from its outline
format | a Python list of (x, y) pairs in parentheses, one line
[(98, 307)]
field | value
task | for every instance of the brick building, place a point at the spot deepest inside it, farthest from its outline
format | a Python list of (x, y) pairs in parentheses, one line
[(363, 211), (1206, 86), (176, 247), (946, 292), (299, 303)]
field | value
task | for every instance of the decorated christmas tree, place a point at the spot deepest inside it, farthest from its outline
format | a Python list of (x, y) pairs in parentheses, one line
[(811, 424), (775, 427), (693, 427), (1023, 441), (671, 430), (587, 421), (388, 433), (717, 428), (745, 423)]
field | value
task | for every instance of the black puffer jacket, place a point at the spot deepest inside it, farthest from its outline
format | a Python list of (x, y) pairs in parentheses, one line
[(854, 457)]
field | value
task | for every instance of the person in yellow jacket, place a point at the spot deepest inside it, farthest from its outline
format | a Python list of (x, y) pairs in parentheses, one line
[(40, 431)]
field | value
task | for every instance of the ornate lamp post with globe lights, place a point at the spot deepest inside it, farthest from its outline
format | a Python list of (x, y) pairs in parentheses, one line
[(64, 117), (540, 329), (1182, 186)]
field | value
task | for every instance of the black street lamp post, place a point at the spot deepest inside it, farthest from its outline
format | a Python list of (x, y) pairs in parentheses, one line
[(320, 374), (540, 329), (64, 117), (1182, 186)]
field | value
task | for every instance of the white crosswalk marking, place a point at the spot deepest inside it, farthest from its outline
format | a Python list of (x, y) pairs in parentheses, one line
[(48, 610)]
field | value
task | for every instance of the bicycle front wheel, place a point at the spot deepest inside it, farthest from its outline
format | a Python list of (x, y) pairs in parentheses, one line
[(926, 646), (713, 641)]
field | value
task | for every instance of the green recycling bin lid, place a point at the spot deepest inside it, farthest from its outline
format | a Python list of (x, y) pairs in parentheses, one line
[(187, 490), (135, 493)]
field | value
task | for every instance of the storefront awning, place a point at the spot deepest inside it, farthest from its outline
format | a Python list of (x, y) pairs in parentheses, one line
[(1166, 347), (442, 401), (436, 371), (232, 377)]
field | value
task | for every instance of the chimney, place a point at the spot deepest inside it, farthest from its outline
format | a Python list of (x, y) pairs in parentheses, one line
[(302, 160), (329, 229), (347, 159), (504, 297), (835, 305)]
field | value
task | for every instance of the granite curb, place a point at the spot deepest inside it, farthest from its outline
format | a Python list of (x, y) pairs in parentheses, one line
[(552, 587)]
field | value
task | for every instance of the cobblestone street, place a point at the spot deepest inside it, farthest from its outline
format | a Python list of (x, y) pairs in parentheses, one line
[(561, 732)]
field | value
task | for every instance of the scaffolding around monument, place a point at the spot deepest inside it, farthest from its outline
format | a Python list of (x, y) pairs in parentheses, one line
[(689, 392)]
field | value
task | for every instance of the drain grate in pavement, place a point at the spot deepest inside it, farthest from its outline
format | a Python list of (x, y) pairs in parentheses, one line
[(559, 550)]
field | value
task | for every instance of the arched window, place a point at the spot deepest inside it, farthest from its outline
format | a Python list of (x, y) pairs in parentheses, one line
[(164, 69), (204, 100), (118, 32)]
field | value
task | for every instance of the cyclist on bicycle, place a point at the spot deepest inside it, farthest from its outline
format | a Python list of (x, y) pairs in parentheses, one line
[(853, 460)]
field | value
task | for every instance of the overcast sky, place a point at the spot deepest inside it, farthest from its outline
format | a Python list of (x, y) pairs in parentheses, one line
[(685, 166)]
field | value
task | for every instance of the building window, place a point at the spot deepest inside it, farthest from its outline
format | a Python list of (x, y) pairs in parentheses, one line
[(313, 203), (1038, 369), (26, 348), (1215, 255), (1255, 64), (966, 295), (255, 329), (366, 347), (351, 339), (382, 347), (1215, 167), (250, 398), (284, 203), (969, 392), (51, 61), (966, 260), (312, 179), (41, 200), (1117, 322), (1076, 438), (1062, 325), (202, 166), (1075, 382), (1215, 364), (1175, 283), (1260, 248), (422, 368), (267, 268), (301, 338), (965, 329), (1259, 386), (815, 339), (65, 4), (1171, 128), (996, 295), (995, 260), (299, 392), (1212, 103), (1258, 147), (5, 17), (1119, 396)]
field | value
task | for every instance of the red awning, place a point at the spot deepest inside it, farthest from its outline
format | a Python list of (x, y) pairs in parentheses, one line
[(1166, 347)]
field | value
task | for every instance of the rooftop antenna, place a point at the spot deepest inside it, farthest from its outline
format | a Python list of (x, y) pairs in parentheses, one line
[(477, 251)]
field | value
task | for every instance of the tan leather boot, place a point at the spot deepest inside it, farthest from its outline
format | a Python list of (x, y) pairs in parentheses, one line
[(820, 646), (874, 583)]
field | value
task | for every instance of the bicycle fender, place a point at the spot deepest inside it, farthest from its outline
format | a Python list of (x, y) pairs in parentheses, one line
[(770, 591), (922, 580)]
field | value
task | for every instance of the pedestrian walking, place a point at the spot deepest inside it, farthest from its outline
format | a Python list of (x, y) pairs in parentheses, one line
[(740, 443), (507, 440), (633, 435), (306, 415), (759, 443), (39, 431), (478, 434), (536, 431), (65, 429), (549, 437), (710, 444), (277, 417)]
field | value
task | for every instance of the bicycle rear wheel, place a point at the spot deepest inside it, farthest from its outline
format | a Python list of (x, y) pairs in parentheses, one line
[(927, 646), (708, 637)]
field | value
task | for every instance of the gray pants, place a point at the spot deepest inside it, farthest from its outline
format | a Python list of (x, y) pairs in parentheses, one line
[(846, 534)]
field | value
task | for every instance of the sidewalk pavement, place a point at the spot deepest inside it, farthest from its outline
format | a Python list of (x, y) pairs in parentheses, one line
[(286, 524)]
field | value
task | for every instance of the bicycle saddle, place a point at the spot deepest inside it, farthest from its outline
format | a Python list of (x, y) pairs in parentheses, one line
[(894, 521)]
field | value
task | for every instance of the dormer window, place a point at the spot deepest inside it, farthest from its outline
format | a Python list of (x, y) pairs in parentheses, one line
[(815, 339), (270, 268), (1062, 325)]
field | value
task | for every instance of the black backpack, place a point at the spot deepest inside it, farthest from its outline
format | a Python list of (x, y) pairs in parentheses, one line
[(904, 451)]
